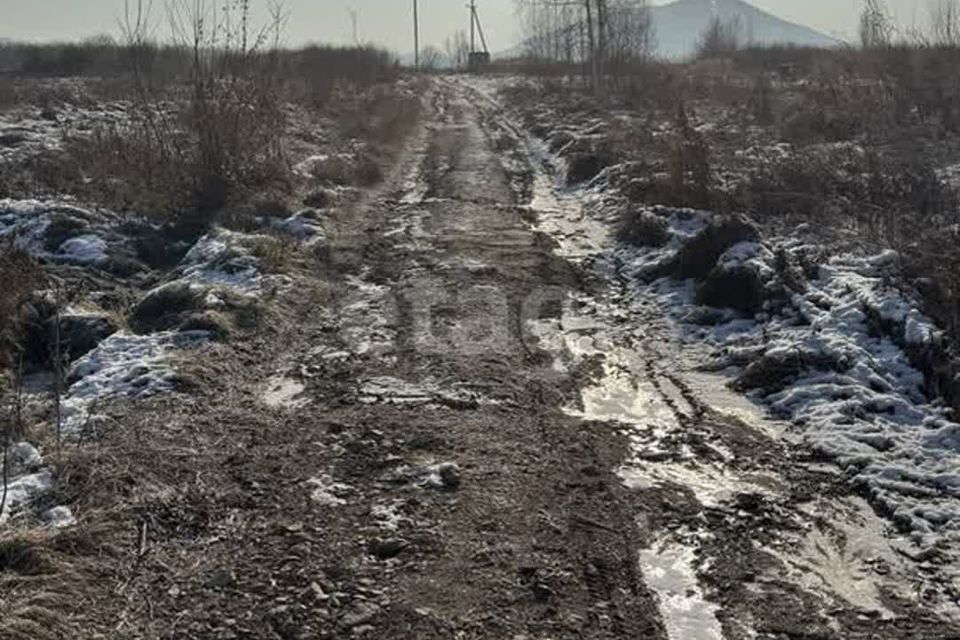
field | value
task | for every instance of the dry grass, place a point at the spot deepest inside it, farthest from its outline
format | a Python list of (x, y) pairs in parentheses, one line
[(23, 277), (206, 131), (47, 577), (868, 132)]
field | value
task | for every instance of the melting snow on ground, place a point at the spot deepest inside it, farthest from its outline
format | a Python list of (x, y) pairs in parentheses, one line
[(29, 221), (853, 394), (222, 258), (27, 478), (124, 365)]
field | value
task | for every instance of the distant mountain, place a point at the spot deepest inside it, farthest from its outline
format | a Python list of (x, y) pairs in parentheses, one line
[(679, 25)]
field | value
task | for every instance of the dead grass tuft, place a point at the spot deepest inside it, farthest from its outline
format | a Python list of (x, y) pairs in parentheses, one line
[(21, 556), (22, 276)]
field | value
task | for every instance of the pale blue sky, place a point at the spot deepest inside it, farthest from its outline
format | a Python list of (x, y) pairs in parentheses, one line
[(387, 22)]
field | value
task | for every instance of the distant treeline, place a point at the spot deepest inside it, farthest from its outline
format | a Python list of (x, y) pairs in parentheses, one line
[(103, 56)]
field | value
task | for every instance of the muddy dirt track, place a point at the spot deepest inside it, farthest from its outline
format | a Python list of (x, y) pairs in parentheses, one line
[(461, 424)]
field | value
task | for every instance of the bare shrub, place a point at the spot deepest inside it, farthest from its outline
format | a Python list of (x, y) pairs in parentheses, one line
[(313, 74), (690, 172), (431, 58), (275, 252), (720, 38), (642, 228), (603, 41), (186, 163), (944, 28), (21, 276), (876, 25), (761, 100), (880, 195)]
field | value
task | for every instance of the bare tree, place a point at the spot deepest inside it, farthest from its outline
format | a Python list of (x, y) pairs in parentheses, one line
[(944, 23), (605, 36), (457, 49), (630, 35), (430, 58), (876, 26), (720, 37)]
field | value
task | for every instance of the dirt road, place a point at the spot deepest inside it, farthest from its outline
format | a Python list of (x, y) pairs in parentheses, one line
[(460, 423)]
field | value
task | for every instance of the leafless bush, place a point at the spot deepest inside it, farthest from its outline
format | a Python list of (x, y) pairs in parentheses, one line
[(883, 195), (604, 41), (188, 159), (761, 100), (720, 38), (690, 172), (22, 276), (430, 58), (876, 25), (641, 228), (944, 28), (312, 75), (209, 110)]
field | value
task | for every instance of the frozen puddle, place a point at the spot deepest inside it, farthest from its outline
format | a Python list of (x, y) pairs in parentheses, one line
[(563, 218), (711, 485), (668, 568), (284, 392), (712, 390), (620, 397), (368, 318), (840, 558)]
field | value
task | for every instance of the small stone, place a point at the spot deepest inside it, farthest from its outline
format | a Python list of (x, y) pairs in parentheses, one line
[(58, 517), (318, 592), (387, 548), (449, 474), (23, 457), (359, 614), (220, 579)]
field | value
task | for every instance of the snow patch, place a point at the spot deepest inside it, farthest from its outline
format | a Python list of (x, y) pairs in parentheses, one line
[(327, 492), (28, 223), (222, 258), (133, 366), (27, 478)]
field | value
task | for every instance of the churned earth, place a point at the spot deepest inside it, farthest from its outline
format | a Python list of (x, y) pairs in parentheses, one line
[(458, 421)]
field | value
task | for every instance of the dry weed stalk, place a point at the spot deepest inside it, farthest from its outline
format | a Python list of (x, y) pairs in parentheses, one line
[(22, 276)]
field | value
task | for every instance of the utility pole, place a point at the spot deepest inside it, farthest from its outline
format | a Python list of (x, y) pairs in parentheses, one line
[(353, 21), (416, 37), (473, 20)]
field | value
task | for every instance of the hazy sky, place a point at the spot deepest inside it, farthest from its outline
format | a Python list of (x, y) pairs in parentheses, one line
[(388, 22)]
